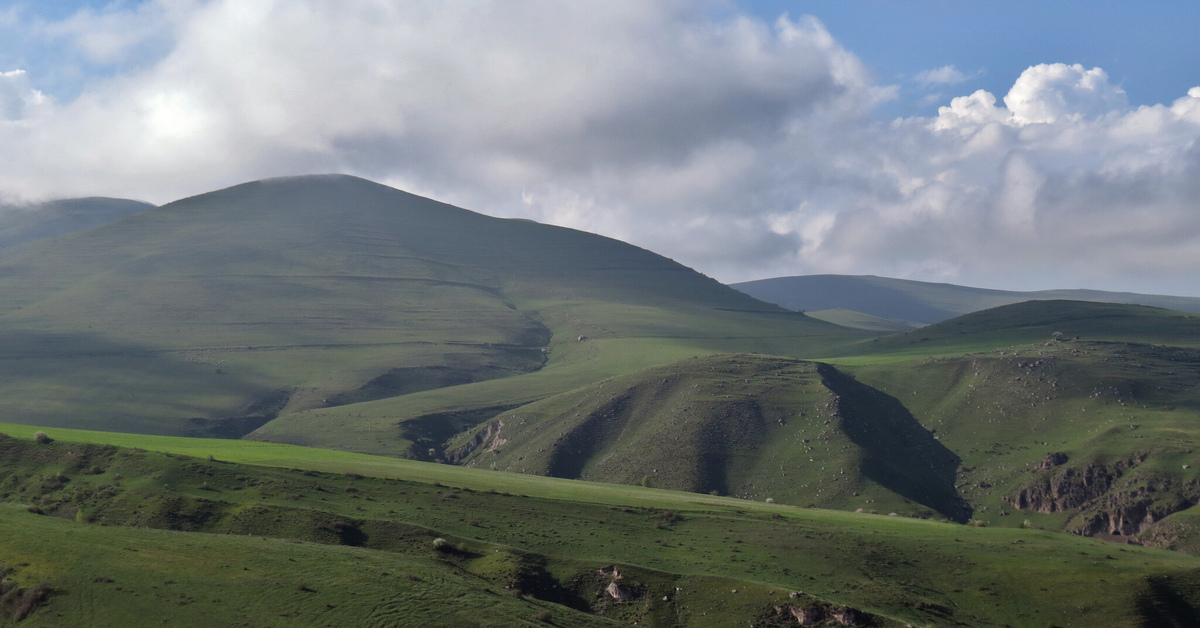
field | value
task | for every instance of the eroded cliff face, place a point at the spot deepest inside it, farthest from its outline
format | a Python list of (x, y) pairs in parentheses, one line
[(1071, 487), (1109, 498), (1130, 511)]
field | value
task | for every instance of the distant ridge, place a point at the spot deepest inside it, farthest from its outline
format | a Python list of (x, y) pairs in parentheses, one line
[(920, 302), (25, 223)]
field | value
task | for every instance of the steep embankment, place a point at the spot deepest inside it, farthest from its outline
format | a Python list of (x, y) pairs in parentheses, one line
[(748, 426)]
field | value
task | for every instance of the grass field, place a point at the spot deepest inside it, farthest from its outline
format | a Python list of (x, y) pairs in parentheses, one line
[(548, 543)]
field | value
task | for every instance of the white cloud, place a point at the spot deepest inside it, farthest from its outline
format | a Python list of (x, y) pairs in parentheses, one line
[(1049, 92), (18, 100), (743, 148), (945, 75)]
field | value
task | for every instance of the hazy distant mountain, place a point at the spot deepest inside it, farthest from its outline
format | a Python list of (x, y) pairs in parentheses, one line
[(920, 302), (24, 223)]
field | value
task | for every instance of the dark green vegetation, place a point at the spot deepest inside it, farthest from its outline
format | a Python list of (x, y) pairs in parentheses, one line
[(101, 530), (861, 301), (337, 313)]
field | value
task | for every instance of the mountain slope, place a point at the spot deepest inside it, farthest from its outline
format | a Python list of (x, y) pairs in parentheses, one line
[(920, 302), (20, 224), (312, 292)]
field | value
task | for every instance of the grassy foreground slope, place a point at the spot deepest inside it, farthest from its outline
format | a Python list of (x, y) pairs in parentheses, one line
[(347, 548), (920, 302), (213, 315)]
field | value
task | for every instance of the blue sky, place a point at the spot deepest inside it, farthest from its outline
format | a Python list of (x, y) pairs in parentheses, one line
[(1019, 145), (1149, 48)]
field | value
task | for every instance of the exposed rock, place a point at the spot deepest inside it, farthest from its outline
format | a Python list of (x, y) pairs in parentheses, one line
[(1131, 511), (1053, 459), (620, 592), (1072, 487), (489, 435), (611, 571), (805, 616), (845, 617)]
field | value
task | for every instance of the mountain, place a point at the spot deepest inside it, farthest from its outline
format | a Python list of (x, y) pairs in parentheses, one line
[(216, 314), (921, 303), (25, 223)]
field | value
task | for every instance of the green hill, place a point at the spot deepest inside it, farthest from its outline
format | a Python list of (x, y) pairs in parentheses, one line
[(136, 537), (1069, 415), (921, 303), (749, 426), (20, 224), (217, 314)]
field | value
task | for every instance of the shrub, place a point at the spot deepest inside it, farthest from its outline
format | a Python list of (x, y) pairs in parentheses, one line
[(544, 616), (42, 438), (442, 545), (976, 523)]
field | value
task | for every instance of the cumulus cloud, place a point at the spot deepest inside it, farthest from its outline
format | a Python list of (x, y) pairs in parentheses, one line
[(743, 148), (1048, 92)]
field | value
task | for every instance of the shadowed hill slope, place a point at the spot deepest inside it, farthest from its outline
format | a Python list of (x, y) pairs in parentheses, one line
[(748, 426), (313, 292), (920, 302), (1069, 415)]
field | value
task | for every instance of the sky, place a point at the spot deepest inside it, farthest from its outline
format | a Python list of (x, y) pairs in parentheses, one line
[(1015, 145)]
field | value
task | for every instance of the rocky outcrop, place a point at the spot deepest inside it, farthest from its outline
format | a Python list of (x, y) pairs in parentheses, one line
[(1053, 459), (488, 439), (1131, 511), (805, 616), (1072, 487), (621, 592), (1110, 499), (816, 613), (845, 617)]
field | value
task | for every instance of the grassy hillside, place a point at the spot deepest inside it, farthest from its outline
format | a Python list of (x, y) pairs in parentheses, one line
[(749, 426), (858, 320), (26, 223), (300, 547), (1091, 431), (921, 303), (215, 314)]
